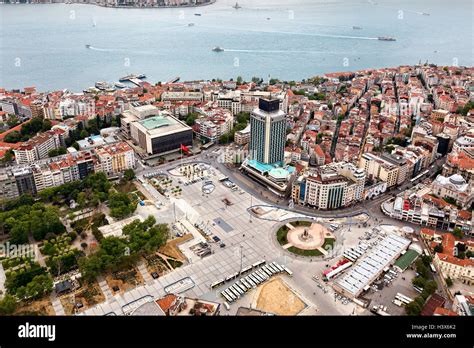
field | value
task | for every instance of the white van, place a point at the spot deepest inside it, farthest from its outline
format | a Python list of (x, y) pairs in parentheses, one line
[(226, 305)]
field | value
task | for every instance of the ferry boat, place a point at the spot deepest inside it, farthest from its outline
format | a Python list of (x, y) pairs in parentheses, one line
[(104, 86), (218, 49), (132, 76), (386, 38), (120, 85)]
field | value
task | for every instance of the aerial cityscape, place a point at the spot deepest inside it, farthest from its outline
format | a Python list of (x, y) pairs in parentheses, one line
[(348, 192)]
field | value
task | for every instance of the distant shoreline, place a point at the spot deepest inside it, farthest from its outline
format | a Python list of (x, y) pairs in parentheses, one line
[(211, 2)]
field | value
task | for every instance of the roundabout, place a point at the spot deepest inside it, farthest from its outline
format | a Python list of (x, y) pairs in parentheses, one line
[(305, 238)]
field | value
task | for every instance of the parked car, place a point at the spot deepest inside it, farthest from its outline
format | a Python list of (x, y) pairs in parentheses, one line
[(155, 275), (216, 239), (222, 245)]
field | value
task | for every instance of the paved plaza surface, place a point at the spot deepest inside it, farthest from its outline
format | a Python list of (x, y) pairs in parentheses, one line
[(248, 239)]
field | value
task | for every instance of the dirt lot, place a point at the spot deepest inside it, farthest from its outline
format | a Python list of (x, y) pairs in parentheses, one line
[(123, 285), (39, 307), (171, 248), (89, 295), (276, 297)]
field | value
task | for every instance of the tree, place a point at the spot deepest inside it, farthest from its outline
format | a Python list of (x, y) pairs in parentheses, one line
[(57, 152), (120, 205), (12, 137), (449, 282), (413, 308), (438, 248), (84, 134), (13, 121), (38, 287), (191, 119), (8, 305), (19, 233), (240, 80), (82, 199), (457, 232), (46, 125), (129, 174)]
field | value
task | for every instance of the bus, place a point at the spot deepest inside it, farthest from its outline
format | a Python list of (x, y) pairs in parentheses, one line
[(254, 279), (433, 269), (417, 289), (234, 291), (269, 271), (250, 282), (279, 267), (258, 264), (403, 298), (262, 274), (230, 294), (227, 297), (217, 284), (246, 269), (274, 268), (419, 176), (290, 273), (397, 302), (240, 288), (258, 277), (246, 284), (232, 276)]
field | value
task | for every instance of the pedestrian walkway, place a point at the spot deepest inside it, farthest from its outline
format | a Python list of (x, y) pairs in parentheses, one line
[(144, 272), (105, 288), (57, 306)]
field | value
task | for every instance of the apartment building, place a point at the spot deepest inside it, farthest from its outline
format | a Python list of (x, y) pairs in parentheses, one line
[(39, 146), (116, 158), (329, 187), (391, 169)]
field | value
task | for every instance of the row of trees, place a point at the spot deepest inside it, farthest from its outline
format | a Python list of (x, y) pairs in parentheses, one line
[(28, 130), (121, 253), (425, 281)]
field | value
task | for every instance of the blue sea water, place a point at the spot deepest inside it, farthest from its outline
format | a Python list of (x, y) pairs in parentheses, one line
[(44, 45)]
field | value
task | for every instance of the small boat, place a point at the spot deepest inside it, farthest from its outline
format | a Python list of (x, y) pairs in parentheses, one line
[(237, 6), (120, 85), (355, 27), (268, 18), (191, 25), (88, 46), (218, 49), (386, 38), (141, 76), (425, 14), (197, 14)]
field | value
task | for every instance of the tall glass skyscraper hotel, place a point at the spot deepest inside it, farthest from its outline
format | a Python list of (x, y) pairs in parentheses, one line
[(267, 133), (266, 160)]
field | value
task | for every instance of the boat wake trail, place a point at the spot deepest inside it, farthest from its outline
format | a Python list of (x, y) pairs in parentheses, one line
[(300, 33), (281, 51), (104, 49)]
